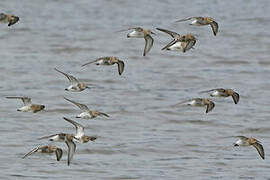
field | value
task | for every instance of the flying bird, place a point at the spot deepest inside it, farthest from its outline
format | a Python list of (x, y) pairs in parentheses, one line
[(8, 18), (109, 60), (202, 21), (68, 139), (138, 32), (220, 92), (180, 42), (86, 113), (28, 106), (75, 85), (46, 149), (80, 136), (200, 102), (244, 141)]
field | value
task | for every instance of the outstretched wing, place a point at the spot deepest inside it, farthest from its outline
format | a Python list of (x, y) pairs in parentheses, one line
[(171, 33), (131, 28), (214, 26), (210, 106), (149, 41), (58, 153), (71, 150), (210, 90), (79, 127), (121, 66), (242, 138), (54, 136), (81, 106), (31, 152), (98, 59), (26, 100), (185, 19), (260, 149), (186, 101), (71, 79), (90, 62), (104, 114), (235, 97)]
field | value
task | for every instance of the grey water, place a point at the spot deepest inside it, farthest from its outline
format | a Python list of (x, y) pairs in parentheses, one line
[(146, 136)]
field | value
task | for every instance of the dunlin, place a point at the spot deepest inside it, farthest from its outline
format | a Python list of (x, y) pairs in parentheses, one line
[(75, 85), (86, 113), (80, 137), (200, 102), (111, 60), (8, 18), (220, 92), (68, 139), (202, 21), (180, 42), (138, 32), (28, 106), (244, 141), (47, 149)]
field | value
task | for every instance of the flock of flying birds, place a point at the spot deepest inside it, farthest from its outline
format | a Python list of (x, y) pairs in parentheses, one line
[(178, 43)]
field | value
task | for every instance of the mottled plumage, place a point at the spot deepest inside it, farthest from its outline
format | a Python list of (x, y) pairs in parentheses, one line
[(28, 106), (180, 42), (109, 60), (202, 21), (75, 85), (200, 102), (8, 18), (220, 92), (46, 149), (86, 113), (80, 136), (244, 141), (138, 32)]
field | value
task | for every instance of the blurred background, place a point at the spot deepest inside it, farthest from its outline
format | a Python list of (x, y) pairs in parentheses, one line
[(146, 137)]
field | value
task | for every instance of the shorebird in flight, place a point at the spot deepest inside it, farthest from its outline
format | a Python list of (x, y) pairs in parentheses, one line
[(244, 141), (8, 18), (180, 42), (75, 85), (86, 113), (220, 92), (28, 106), (202, 21), (109, 60), (46, 149)]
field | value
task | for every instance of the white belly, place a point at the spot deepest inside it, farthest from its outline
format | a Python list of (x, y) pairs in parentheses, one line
[(25, 109), (100, 62), (73, 88), (242, 143), (135, 34), (195, 103), (84, 115), (195, 22), (215, 93), (56, 138), (176, 47)]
